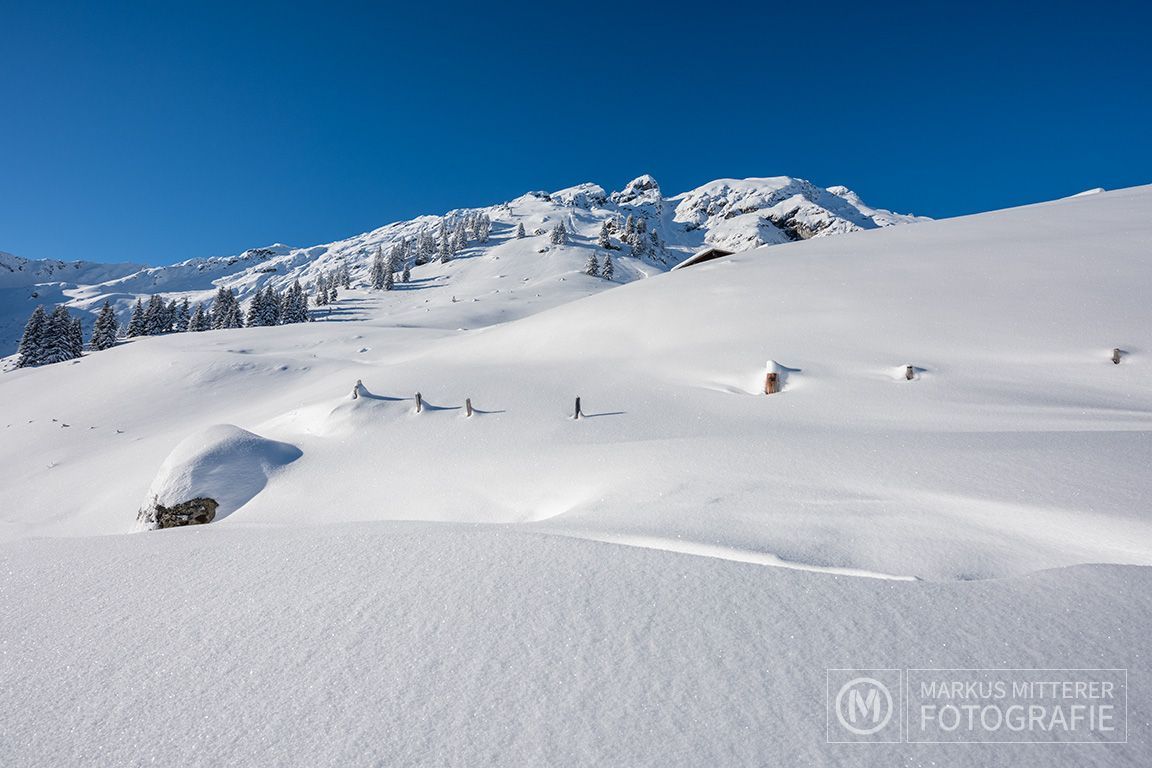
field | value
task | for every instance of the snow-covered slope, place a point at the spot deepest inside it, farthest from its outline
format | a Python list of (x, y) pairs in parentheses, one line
[(418, 645), (427, 588), (682, 223)]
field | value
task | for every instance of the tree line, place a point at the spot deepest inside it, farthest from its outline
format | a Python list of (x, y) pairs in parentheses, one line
[(56, 336)]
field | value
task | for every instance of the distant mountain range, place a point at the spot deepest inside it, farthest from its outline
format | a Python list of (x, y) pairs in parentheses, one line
[(734, 214)]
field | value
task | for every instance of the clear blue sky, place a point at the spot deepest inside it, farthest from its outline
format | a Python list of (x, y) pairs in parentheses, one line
[(158, 131)]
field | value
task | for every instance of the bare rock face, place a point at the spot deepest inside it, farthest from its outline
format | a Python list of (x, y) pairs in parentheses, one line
[(191, 512)]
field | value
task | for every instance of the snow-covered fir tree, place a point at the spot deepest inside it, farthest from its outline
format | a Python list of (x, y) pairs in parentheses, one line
[(520, 230), (425, 248), (59, 340), (379, 270), (183, 317), (604, 239), (137, 325), (155, 315), (105, 329), (445, 253), (607, 269), (31, 350), (255, 308), (200, 321), (592, 267), (226, 310), (406, 275), (559, 234), (483, 227), (75, 338)]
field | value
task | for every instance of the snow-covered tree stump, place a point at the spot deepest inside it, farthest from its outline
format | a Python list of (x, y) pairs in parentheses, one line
[(1116, 353), (772, 383), (909, 372)]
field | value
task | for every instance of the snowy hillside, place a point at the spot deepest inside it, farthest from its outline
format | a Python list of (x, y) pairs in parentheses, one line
[(663, 581), (521, 276)]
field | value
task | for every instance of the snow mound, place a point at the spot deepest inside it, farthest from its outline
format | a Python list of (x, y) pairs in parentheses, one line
[(223, 462)]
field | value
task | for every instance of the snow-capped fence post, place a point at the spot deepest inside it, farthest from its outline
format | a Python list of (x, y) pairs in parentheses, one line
[(419, 403), (772, 383), (358, 389), (468, 407), (909, 372), (1116, 355), (578, 413)]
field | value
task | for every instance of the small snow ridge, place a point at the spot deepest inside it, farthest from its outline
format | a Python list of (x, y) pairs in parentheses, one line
[(223, 462)]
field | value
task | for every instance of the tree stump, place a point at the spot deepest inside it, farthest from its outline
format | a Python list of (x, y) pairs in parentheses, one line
[(772, 383), (909, 372)]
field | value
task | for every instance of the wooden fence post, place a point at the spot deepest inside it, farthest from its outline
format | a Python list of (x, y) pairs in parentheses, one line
[(419, 403), (578, 413), (772, 383), (468, 406), (909, 372), (1116, 356)]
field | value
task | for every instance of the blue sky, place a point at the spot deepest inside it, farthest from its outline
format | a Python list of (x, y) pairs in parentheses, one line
[(157, 131)]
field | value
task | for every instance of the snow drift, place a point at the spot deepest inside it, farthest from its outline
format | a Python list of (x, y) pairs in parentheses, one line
[(223, 463)]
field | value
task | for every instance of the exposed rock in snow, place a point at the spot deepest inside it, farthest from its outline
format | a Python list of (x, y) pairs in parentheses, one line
[(641, 190), (191, 512)]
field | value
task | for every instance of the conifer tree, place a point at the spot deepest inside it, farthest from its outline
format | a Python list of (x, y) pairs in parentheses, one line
[(592, 267), (406, 275), (76, 339), (137, 325), (59, 338), (445, 252), (31, 350), (183, 317), (559, 234), (105, 328), (199, 320), (607, 270), (232, 316), (255, 310), (520, 230), (379, 269), (604, 239), (155, 316), (220, 307)]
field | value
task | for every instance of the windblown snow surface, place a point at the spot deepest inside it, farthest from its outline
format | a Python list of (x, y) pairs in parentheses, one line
[(661, 583)]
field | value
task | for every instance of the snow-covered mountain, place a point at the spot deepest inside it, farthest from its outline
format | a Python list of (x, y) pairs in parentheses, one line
[(730, 213), (664, 582)]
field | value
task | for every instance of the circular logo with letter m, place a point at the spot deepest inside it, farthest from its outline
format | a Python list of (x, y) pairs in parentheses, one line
[(862, 706)]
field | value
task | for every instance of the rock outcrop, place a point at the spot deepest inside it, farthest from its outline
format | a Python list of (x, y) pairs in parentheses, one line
[(192, 512)]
